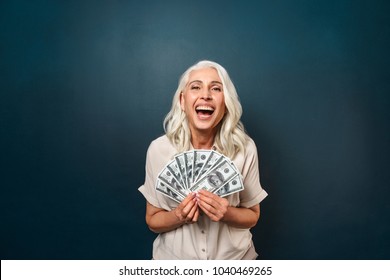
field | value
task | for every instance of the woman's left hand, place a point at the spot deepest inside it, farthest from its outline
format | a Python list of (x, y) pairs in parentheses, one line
[(212, 205)]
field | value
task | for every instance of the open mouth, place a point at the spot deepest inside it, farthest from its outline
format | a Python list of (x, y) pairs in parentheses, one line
[(203, 110)]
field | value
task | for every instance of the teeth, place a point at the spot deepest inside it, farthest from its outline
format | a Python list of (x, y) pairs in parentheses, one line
[(204, 108)]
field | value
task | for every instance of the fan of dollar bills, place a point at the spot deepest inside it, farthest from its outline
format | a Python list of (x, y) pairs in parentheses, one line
[(199, 169)]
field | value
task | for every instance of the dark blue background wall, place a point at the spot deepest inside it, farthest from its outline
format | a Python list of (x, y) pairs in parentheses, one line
[(85, 86)]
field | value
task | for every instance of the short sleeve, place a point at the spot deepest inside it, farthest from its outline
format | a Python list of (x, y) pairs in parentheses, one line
[(253, 192), (147, 189)]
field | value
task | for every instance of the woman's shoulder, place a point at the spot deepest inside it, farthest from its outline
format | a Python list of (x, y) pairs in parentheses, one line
[(250, 146), (161, 140), (162, 145)]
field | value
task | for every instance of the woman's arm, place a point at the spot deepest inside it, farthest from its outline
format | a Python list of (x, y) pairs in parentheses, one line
[(160, 220), (218, 209)]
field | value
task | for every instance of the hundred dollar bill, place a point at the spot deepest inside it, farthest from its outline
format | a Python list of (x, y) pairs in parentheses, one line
[(165, 190), (174, 168), (200, 158), (199, 169), (216, 178), (182, 168), (213, 159), (189, 162), (167, 177), (233, 186)]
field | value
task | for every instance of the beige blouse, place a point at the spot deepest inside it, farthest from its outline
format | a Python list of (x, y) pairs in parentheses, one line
[(204, 239)]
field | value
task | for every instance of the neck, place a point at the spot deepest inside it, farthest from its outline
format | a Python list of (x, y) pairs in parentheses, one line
[(202, 140)]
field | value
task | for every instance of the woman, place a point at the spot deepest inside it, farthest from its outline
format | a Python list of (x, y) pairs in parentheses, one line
[(205, 114)]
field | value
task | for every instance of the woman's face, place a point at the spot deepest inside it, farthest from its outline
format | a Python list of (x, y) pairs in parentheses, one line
[(203, 100)]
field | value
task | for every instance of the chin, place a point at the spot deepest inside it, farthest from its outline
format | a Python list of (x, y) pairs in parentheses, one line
[(204, 127)]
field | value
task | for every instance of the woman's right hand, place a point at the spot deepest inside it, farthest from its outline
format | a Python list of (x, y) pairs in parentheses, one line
[(188, 211), (160, 220)]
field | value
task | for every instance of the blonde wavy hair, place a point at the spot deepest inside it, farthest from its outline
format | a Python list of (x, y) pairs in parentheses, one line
[(231, 136)]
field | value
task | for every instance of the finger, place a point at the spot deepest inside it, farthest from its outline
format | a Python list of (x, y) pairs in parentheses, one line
[(207, 205), (205, 208), (187, 199), (210, 199), (213, 199), (185, 207), (186, 210), (196, 216), (206, 193), (191, 214), (215, 209)]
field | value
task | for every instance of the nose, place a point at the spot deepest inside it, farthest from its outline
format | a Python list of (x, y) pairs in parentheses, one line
[(206, 94)]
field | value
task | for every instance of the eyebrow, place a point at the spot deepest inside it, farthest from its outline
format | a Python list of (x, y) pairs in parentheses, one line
[(199, 81)]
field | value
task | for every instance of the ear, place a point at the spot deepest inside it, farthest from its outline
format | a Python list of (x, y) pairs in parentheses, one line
[(182, 101)]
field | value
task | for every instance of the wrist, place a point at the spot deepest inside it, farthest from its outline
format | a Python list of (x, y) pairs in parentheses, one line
[(177, 215), (225, 217)]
